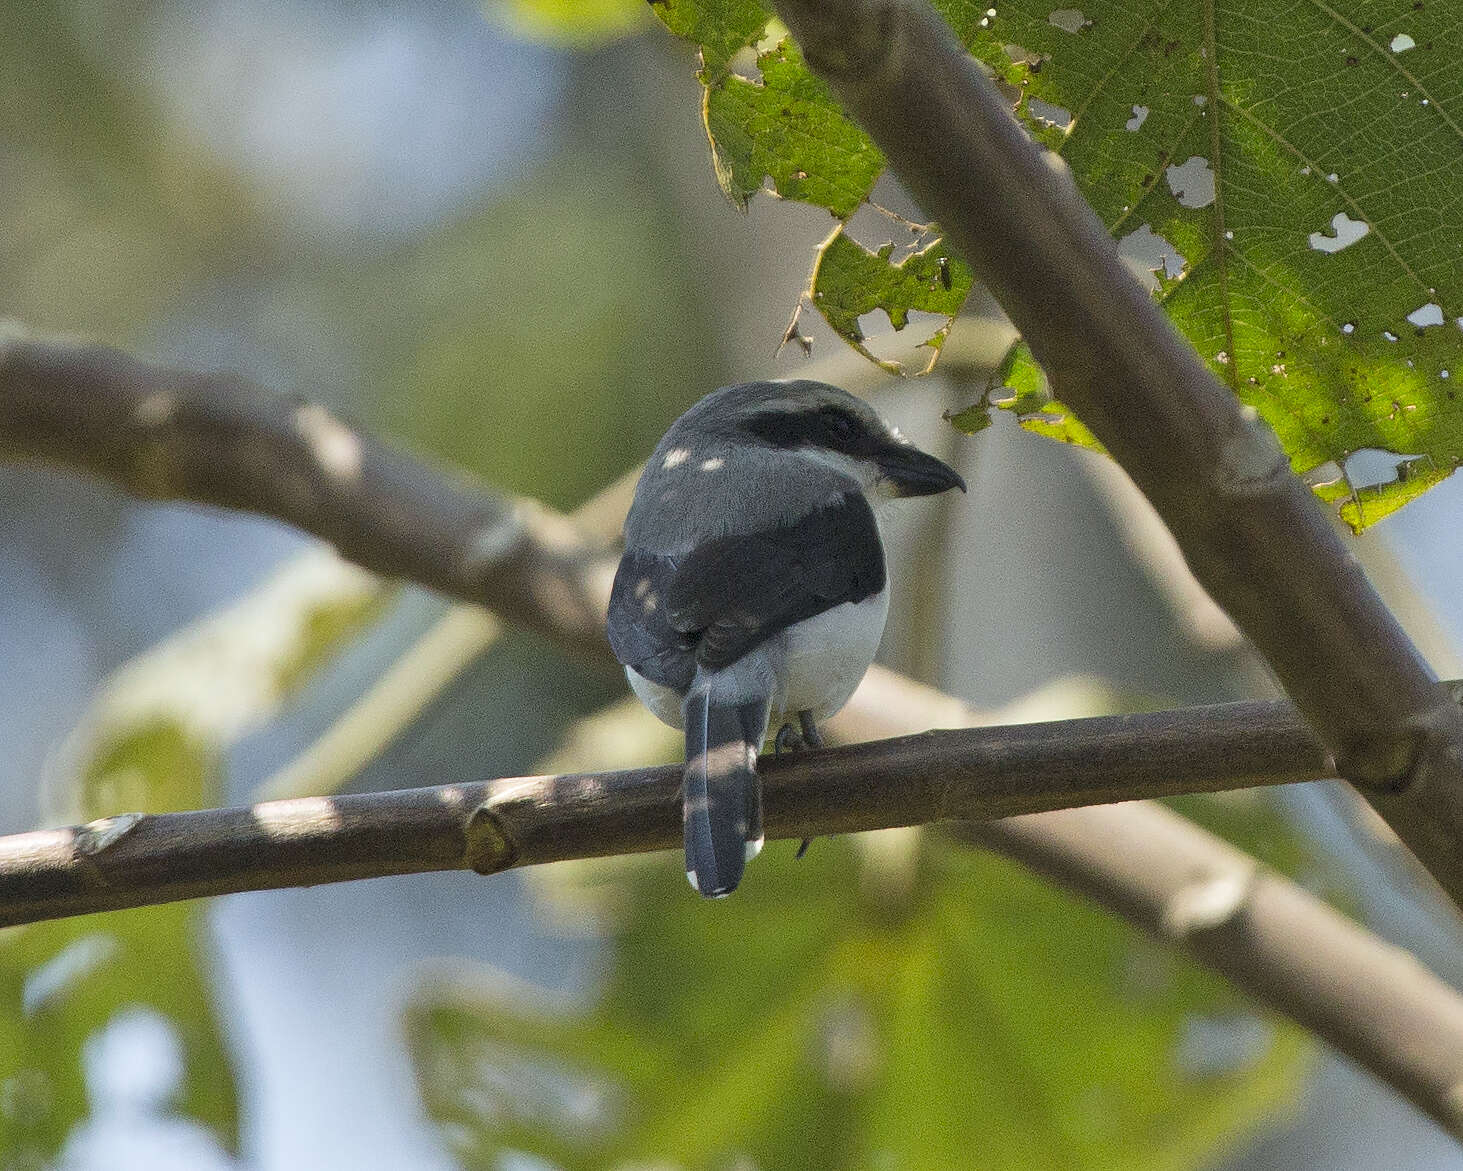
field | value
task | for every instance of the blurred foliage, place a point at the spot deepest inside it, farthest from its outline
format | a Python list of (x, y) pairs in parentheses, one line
[(543, 341), (943, 1009), (1243, 148), (153, 741), (109, 212), (571, 22)]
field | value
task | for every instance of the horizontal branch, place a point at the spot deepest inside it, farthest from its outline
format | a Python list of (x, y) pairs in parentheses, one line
[(1253, 533), (965, 774)]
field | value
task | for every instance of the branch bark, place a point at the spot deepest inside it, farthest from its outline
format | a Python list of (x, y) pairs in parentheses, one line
[(218, 439), (87, 408), (1253, 534), (965, 774)]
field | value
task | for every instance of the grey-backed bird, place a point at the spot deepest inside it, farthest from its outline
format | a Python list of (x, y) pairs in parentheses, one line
[(753, 585)]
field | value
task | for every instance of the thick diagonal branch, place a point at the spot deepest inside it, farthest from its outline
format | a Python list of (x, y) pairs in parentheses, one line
[(1252, 532)]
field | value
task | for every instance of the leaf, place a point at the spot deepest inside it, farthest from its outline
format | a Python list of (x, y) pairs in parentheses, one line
[(1262, 148), (788, 127), (579, 23), (721, 29), (833, 1017), (849, 281), (1304, 176), (154, 740)]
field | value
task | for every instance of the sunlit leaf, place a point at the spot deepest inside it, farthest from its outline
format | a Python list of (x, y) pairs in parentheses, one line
[(571, 22), (153, 741), (1291, 188), (832, 1016)]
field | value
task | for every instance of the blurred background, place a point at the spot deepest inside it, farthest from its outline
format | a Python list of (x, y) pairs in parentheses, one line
[(508, 253)]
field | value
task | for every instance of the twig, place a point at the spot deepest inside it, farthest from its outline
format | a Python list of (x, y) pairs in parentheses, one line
[(418, 676), (971, 773), (1251, 531)]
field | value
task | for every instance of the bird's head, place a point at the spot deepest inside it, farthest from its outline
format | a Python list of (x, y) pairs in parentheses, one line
[(823, 424)]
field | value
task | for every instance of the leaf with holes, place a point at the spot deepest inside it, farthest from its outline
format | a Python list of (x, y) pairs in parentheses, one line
[(719, 28), (784, 125), (788, 128), (152, 741), (850, 281), (1290, 187), (830, 1002)]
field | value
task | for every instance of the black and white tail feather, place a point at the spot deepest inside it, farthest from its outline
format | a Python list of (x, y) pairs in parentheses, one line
[(722, 801)]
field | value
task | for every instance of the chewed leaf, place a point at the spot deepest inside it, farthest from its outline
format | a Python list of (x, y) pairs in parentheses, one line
[(1363, 504), (1292, 190), (721, 28), (789, 128), (849, 281), (1304, 177)]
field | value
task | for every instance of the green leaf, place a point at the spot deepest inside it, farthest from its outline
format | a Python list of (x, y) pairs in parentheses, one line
[(787, 127), (837, 1016), (849, 281), (720, 28), (1256, 148), (1303, 175), (152, 741), (578, 23)]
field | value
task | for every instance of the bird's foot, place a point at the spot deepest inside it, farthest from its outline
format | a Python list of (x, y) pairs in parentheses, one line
[(811, 736), (788, 739)]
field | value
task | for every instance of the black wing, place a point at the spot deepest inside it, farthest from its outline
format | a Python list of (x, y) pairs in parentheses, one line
[(639, 625), (725, 597)]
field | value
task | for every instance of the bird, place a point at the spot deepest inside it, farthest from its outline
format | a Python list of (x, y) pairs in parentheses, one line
[(753, 585)]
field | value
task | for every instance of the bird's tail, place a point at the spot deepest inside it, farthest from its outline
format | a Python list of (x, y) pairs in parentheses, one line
[(723, 796)]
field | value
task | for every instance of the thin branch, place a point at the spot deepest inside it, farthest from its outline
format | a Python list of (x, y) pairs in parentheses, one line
[(1253, 534), (963, 774), (426, 669), (394, 701)]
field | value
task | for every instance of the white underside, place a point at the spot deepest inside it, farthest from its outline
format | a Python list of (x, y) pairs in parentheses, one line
[(812, 666)]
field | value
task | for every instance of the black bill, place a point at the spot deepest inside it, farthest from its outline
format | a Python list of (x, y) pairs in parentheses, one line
[(912, 472)]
